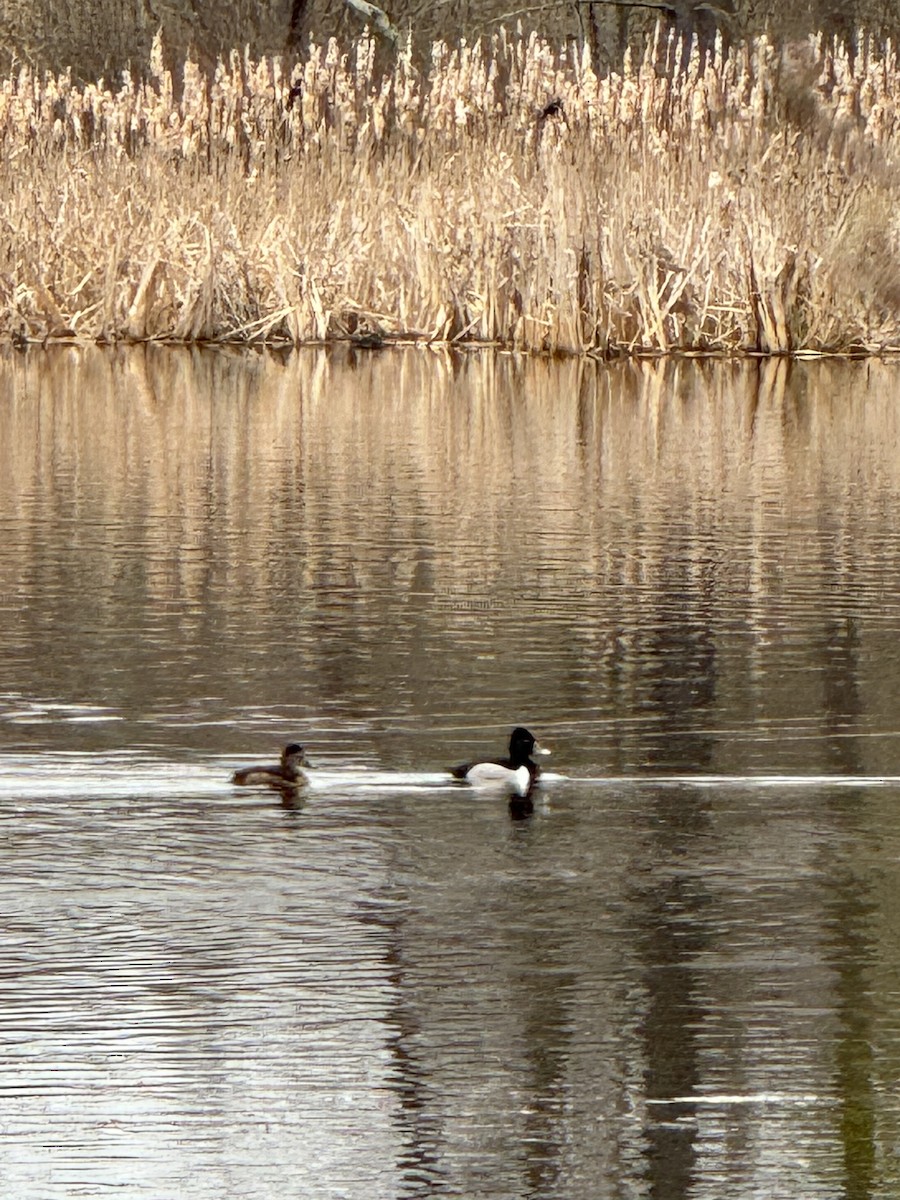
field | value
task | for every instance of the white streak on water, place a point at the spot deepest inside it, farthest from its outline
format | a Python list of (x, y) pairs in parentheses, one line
[(69, 773)]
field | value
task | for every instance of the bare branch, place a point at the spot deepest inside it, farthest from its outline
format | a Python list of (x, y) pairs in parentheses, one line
[(378, 18)]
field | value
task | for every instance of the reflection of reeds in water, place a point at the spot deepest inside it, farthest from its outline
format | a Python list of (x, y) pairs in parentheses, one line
[(508, 195), (165, 451), (184, 512)]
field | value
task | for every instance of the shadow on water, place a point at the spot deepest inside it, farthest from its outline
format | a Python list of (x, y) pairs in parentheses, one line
[(670, 906), (418, 1117), (850, 910), (671, 910)]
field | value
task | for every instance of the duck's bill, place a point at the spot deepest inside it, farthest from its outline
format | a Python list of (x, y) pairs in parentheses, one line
[(539, 749)]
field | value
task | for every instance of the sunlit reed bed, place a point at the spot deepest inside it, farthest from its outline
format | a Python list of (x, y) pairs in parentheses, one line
[(507, 194)]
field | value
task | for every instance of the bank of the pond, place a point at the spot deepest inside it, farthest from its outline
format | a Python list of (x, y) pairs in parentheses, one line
[(505, 195)]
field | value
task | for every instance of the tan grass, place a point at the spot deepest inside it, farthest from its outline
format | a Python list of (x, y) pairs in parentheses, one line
[(506, 195)]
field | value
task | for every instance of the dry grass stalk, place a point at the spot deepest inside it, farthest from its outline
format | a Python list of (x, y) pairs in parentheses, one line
[(509, 195)]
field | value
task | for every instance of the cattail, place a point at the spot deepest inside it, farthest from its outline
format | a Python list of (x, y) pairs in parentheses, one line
[(551, 208)]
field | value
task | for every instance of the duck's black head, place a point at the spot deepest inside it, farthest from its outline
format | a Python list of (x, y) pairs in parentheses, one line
[(521, 744), (294, 756)]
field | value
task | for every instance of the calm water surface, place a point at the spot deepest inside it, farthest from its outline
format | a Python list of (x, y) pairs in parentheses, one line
[(678, 978)]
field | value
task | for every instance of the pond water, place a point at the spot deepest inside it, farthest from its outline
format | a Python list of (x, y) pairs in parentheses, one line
[(679, 977)]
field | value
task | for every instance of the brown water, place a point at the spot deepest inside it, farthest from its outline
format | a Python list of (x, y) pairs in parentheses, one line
[(679, 978)]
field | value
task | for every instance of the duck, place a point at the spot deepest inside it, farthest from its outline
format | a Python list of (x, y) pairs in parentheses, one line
[(286, 774), (517, 772)]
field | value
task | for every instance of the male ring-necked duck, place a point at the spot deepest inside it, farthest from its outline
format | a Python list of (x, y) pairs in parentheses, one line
[(286, 774), (517, 771)]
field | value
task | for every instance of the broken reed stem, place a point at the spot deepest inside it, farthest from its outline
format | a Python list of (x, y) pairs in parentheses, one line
[(506, 195)]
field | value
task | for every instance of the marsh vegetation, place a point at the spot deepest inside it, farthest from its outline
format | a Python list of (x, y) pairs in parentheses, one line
[(508, 194)]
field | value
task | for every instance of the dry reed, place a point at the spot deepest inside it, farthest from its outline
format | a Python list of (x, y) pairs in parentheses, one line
[(508, 195)]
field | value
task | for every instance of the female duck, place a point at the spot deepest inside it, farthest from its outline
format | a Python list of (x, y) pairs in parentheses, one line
[(518, 771), (286, 774)]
